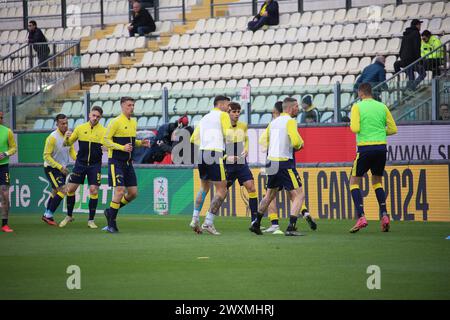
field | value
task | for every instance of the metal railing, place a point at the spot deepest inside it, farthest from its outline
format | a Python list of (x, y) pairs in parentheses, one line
[(31, 54), (48, 71), (396, 90)]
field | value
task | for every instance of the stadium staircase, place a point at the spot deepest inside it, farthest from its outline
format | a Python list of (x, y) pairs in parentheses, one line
[(200, 11)]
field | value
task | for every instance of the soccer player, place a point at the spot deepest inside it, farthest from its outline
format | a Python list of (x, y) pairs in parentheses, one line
[(89, 163), (236, 165), (7, 149), (56, 159), (372, 122), (120, 139), (273, 210), (282, 139), (210, 135)]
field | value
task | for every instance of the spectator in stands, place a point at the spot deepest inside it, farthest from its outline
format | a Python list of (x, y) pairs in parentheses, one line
[(444, 114), (373, 74), (268, 15), (142, 21), (163, 142), (410, 52), (434, 60), (183, 131), (35, 35), (310, 113)]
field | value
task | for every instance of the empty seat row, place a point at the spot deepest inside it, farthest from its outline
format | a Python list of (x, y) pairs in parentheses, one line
[(352, 31), (52, 34), (283, 68), (98, 60), (116, 44), (46, 9), (275, 52), (232, 87), (341, 16)]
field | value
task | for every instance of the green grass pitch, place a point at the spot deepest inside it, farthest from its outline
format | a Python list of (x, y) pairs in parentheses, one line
[(155, 257)]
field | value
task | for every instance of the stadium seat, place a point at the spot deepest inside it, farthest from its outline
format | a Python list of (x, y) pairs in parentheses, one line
[(305, 19), (326, 117), (258, 104), (265, 118)]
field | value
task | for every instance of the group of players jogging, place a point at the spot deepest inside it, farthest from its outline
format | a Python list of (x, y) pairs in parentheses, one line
[(222, 142)]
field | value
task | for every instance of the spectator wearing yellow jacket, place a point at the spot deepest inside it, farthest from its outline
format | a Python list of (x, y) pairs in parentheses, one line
[(434, 56)]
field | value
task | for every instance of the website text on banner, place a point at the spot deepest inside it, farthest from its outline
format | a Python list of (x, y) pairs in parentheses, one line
[(417, 192)]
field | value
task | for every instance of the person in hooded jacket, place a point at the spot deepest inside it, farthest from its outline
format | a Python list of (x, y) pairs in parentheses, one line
[(410, 52)]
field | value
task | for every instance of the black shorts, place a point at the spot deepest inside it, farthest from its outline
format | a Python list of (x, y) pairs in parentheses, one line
[(238, 171), (284, 178), (56, 178), (121, 173), (4, 175), (369, 157), (80, 171), (211, 166)]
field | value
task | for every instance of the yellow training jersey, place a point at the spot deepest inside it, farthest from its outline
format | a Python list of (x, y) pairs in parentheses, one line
[(237, 139), (90, 141), (56, 154), (120, 132)]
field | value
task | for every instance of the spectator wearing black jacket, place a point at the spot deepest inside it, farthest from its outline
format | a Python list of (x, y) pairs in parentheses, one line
[(35, 35), (410, 52), (268, 15), (142, 21)]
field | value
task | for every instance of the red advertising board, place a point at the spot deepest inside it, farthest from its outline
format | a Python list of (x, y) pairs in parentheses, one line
[(327, 144)]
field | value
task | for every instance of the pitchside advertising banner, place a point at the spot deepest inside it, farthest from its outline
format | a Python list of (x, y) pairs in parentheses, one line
[(338, 144), (161, 191), (416, 192), (322, 145)]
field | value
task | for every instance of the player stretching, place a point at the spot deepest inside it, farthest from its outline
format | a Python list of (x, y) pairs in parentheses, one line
[(273, 210), (7, 149), (89, 163), (236, 158), (56, 159), (371, 121), (282, 139), (210, 134), (120, 139)]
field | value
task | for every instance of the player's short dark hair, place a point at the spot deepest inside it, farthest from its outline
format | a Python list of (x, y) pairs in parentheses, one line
[(365, 88), (33, 23), (278, 106), (220, 98), (98, 109), (426, 33), (287, 101), (234, 106), (124, 99), (60, 116)]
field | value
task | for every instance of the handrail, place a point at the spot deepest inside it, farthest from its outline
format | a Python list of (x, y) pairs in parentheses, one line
[(412, 64), (39, 66), (14, 52)]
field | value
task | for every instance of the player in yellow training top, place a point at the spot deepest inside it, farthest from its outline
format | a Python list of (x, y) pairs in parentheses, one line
[(120, 139), (282, 139), (273, 210), (210, 135), (236, 158), (89, 163), (56, 159)]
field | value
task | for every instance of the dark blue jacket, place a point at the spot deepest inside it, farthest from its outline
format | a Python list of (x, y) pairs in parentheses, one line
[(373, 74), (273, 15)]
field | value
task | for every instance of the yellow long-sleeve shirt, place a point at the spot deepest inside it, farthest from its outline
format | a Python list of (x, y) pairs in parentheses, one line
[(56, 155), (120, 132)]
